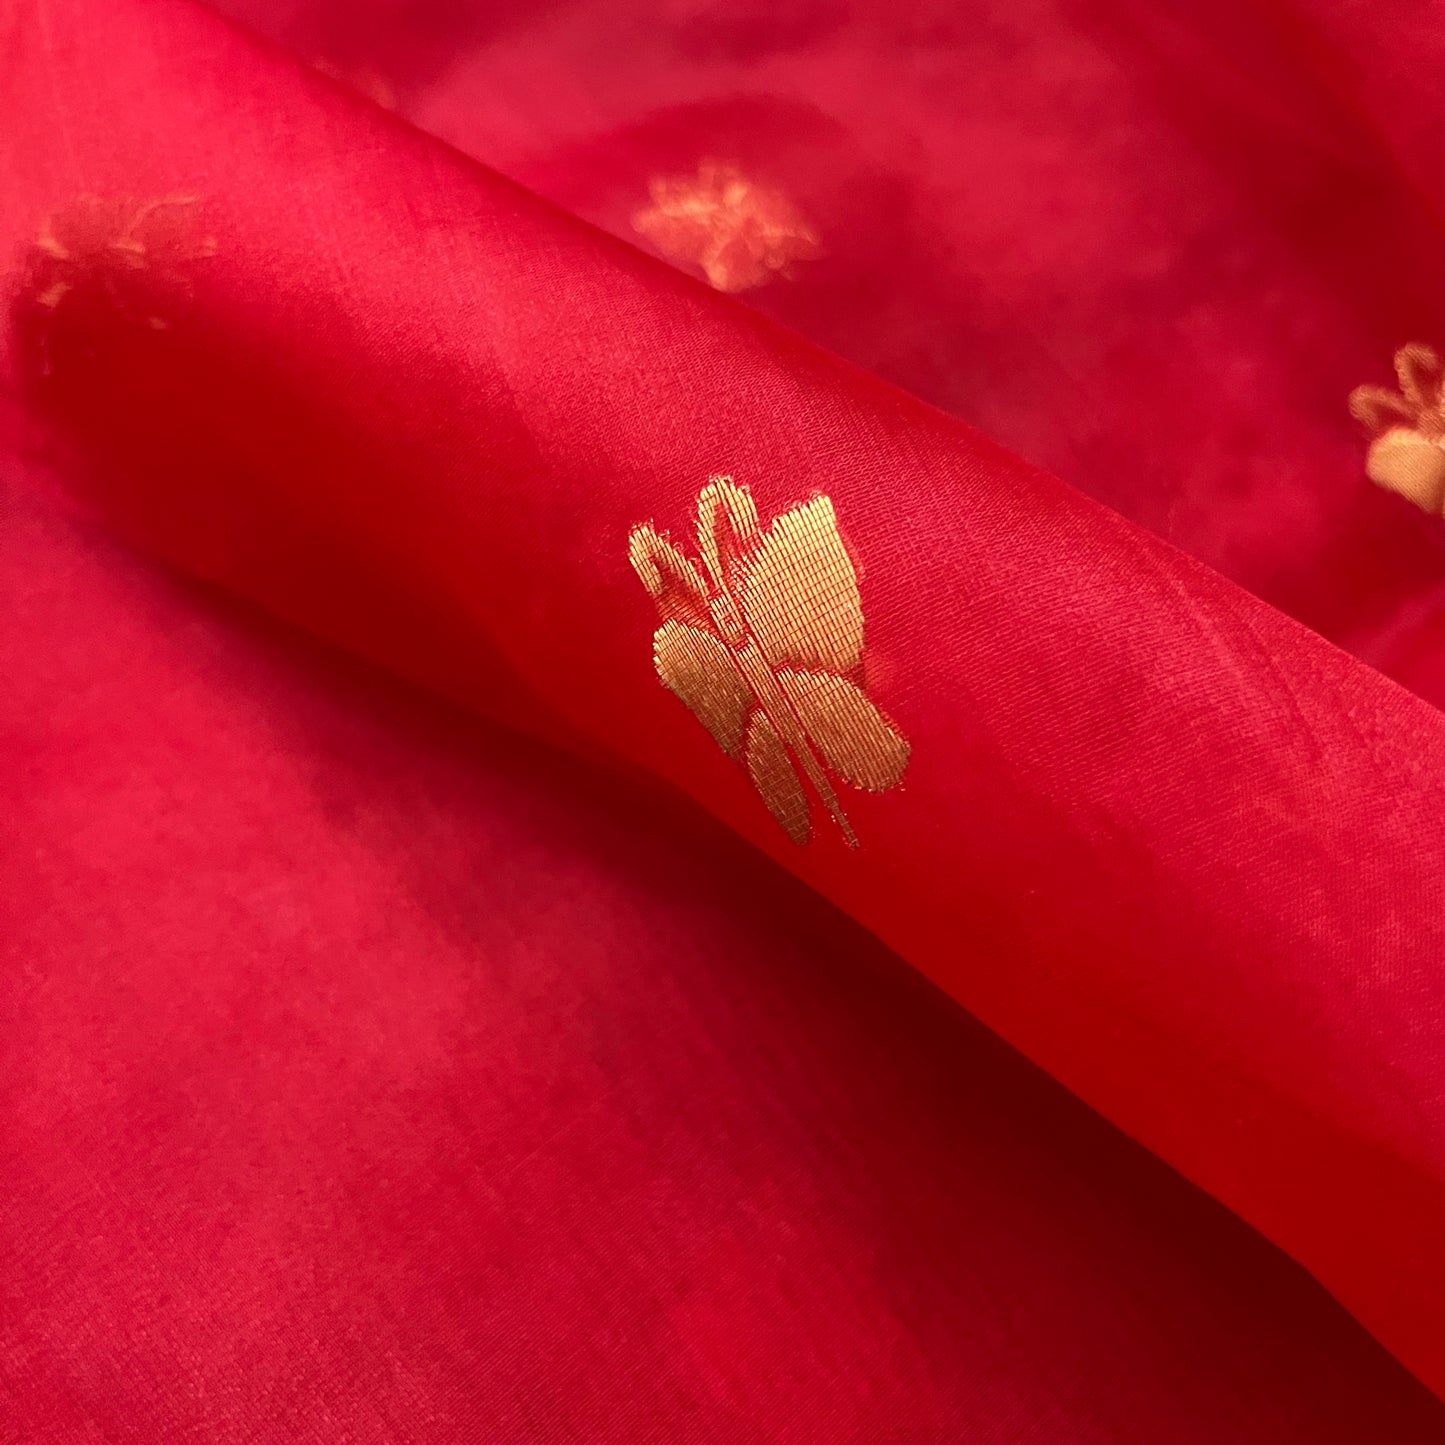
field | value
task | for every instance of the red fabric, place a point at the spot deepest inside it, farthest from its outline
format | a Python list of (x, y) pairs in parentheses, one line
[(1178, 849), (370, 1077)]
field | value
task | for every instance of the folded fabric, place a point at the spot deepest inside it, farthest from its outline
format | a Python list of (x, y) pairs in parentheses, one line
[(368, 1076), (1181, 851)]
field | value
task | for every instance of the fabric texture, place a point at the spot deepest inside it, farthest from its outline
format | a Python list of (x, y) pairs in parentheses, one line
[(369, 1076), (373, 1074)]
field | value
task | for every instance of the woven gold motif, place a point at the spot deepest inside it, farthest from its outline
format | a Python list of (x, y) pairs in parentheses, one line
[(764, 642)]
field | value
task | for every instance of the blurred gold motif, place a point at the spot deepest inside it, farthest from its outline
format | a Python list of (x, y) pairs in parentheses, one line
[(1407, 454), (764, 642), (103, 239), (739, 234)]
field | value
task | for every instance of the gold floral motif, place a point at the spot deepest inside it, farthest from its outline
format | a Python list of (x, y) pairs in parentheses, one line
[(764, 642), (1407, 454), (739, 233)]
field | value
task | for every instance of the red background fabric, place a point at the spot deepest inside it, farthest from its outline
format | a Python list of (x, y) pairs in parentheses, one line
[(1180, 850)]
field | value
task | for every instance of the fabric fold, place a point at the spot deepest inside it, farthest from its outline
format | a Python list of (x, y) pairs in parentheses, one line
[(1180, 851)]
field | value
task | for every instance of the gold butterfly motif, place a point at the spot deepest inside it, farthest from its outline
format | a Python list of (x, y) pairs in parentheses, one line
[(764, 642)]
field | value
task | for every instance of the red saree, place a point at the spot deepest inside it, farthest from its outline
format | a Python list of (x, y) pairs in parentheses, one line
[(403, 1035)]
